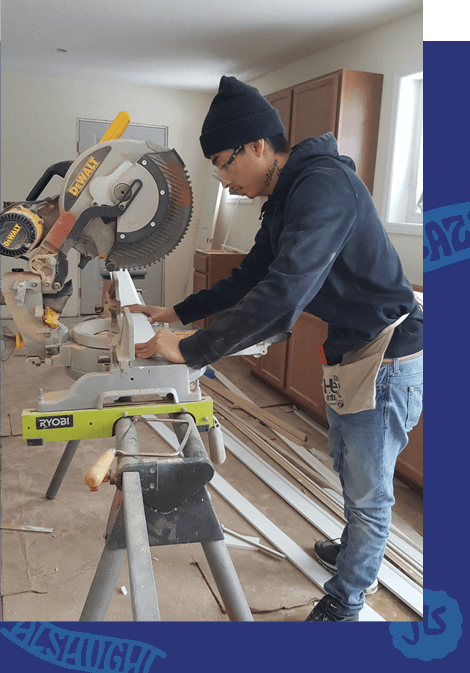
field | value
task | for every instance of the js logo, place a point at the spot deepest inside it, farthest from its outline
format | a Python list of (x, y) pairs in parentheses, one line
[(438, 633)]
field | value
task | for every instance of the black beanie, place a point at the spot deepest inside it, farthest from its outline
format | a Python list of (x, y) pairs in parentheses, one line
[(238, 115)]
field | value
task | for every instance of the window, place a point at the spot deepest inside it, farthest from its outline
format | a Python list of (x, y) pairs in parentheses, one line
[(405, 209)]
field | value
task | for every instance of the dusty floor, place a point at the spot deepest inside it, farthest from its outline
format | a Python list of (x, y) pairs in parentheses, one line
[(46, 576)]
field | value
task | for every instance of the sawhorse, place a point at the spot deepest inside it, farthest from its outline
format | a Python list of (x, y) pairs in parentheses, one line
[(158, 501)]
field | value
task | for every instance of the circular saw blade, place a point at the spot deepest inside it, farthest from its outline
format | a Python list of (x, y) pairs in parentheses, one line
[(170, 221)]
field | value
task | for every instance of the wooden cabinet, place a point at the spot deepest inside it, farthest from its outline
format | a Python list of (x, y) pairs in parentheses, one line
[(294, 366), (345, 102), (272, 366), (409, 466), (304, 367), (315, 108), (282, 101), (211, 266)]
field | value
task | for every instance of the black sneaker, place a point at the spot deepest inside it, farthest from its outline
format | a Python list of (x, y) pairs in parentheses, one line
[(326, 610), (326, 552)]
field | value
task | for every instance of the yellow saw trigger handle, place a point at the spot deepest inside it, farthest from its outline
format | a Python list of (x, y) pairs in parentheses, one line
[(117, 128), (51, 318), (99, 470)]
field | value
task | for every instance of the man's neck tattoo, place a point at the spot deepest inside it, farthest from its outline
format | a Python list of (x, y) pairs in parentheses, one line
[(273, 170)]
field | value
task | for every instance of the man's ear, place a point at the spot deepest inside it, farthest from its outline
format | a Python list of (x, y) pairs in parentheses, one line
[(258, 147)]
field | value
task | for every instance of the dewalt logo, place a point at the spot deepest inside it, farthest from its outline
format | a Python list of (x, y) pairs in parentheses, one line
[(11, 236), (85, 174)]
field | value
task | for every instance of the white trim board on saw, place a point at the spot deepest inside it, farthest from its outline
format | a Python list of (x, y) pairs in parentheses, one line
[(394, 580), (305, 563), (142, 329)]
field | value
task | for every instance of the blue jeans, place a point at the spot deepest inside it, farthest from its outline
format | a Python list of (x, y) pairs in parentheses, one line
[(365, 447)]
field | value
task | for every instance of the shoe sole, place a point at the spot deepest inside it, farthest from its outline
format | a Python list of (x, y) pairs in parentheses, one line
[(332, 568), (325, 564)]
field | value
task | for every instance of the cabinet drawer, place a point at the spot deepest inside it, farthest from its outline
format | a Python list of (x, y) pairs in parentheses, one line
[(199, 281), (201, 262)]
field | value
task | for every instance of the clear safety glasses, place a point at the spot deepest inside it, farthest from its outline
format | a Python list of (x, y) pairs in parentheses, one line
[(216, 171)]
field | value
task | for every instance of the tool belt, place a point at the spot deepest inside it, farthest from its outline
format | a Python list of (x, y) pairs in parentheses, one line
[(349, 387)]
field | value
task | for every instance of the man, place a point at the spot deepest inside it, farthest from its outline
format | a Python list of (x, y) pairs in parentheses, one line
[(321, 249)]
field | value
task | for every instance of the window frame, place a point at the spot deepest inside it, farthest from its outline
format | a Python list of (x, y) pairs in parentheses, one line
[(405, 168)]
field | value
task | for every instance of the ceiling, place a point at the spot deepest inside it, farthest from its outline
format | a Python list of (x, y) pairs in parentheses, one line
[(183, 43)]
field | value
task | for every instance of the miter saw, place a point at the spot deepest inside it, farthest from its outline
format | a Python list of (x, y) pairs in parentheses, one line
[(126, 201), (130, 203)]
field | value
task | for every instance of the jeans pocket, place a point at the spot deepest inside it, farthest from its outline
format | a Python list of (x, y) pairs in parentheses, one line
[(415, 406)]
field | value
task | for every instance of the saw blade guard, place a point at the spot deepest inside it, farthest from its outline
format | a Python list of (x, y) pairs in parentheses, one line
[(149, 187)]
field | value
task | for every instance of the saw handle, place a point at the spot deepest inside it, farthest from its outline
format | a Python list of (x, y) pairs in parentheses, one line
[(99, 470), (117, 128), (59, 169)]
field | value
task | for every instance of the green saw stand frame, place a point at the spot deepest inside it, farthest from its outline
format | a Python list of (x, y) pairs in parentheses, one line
[(159, 499)]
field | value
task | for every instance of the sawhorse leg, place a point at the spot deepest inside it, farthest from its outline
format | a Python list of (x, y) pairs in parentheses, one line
[(62, 468), (227, 581), (103, 585), (142, 581)]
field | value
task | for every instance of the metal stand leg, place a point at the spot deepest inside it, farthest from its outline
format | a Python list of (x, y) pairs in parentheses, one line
[(227, 581), (142, 580), (103, 585), (62, 468)]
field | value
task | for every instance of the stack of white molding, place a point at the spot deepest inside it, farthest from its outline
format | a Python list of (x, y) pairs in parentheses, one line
[(398, 582)]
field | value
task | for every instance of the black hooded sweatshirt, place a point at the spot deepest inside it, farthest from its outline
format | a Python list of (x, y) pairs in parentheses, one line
[(321, 249)]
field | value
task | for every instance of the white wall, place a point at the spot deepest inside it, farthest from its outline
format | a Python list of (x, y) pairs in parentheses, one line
[(39, 119), (385, 50), (39, 116)]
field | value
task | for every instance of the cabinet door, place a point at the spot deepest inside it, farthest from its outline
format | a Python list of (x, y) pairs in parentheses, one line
[(211, 266), (304, 367), (220, 265), (251, 362), (410, 461), (282, 101), (272, 366), (315, 108), (358, 121)]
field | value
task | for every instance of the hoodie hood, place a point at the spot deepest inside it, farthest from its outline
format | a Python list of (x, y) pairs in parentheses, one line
[(323, 147)]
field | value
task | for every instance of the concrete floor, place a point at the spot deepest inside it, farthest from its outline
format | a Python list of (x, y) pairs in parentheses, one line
[(46, 576)]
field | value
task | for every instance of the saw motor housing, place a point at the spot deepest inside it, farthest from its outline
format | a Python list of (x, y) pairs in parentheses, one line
[(126, 201)]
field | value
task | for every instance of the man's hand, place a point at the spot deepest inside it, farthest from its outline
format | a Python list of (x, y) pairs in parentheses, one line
[(154, 313), (164, 343)]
